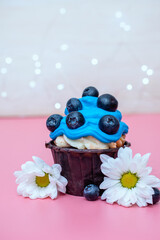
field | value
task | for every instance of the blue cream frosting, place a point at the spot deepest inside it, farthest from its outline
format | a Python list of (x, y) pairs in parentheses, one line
[(92, 115)]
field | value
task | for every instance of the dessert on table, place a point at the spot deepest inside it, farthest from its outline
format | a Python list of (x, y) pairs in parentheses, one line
[(91, 126), (91, 157)]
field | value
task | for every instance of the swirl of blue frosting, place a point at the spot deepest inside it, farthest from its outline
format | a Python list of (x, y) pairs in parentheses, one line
[(92, 115)]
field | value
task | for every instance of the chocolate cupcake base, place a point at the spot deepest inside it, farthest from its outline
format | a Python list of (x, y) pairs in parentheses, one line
[(80, 167)]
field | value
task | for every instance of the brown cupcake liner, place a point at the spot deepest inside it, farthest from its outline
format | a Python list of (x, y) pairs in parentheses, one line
[(80, 167)]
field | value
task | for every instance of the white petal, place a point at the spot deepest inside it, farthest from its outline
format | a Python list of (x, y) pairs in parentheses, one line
[(141, 202), (61, 183), (21, 188), (149, 200), (133, 197), (41, 165), (143, 162), (137, 157), (53, 193), (21, 178), (127, 198), (47, 169), (107, 183), (120, 166), (112, 173), (48, 189), (144, 192), (57, 166), (61, 188), (25, 194), (141, 184), (38, 161), (109, 201), (146, 171), (35, 195), (63, 180), (55, 172), (104, 195), (38, 173), (125, 154), (133, 167), (104, 158), (43, 193), (124, 204), (31, 180), (145, 158), (30, 188), (52, 179), (120, 152), (30, 168), (152, 181), (105, 167), (110, 163), (112, 194), (121, 202), (17, 173), (118, 193), (24, 177)]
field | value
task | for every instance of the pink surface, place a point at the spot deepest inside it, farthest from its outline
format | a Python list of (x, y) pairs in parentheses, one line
[(70, 217)]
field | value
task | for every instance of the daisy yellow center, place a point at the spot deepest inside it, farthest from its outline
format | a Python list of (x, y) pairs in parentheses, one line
[(43, 181), (129, 180)]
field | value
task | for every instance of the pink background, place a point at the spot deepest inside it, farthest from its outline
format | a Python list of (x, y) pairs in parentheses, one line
[(70, 217)]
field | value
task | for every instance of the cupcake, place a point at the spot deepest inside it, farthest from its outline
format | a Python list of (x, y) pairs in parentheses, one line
[(91, 126)]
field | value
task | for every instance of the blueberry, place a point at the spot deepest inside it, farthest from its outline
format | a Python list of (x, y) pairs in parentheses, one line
[(75, 120), (53, 122), (73, 104), (156, 195), (109, 124), (90, 91), (107, 102), (91, 192)]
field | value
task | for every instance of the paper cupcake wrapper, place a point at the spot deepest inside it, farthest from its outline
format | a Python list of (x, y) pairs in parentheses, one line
[(80, 167)]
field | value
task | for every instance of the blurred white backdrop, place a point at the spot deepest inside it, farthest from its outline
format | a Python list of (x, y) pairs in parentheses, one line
[(50, 50)]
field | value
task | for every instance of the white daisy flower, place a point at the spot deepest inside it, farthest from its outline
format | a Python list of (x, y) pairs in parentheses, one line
[(39, 180), (127, 180)]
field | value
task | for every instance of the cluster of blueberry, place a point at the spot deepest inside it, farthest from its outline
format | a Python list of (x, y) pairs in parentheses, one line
[(75, 119)]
